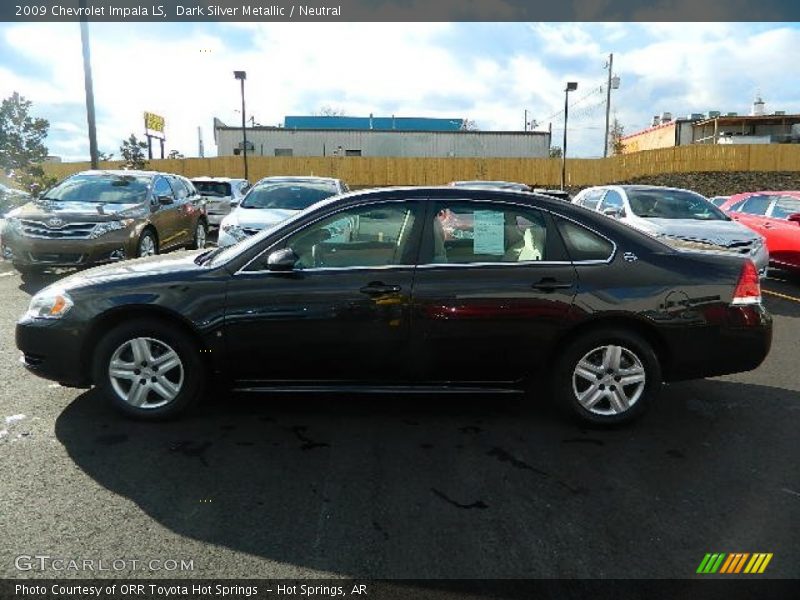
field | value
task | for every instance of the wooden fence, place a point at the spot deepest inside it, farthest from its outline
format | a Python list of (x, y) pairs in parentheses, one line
[(379, 171)]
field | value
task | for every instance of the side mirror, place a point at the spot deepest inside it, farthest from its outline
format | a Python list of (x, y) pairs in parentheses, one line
[(164, 200), (282, 260), (794, 218), (234, 203), (615, 213)]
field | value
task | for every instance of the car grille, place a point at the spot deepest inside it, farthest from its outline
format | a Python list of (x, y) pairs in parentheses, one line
[(68, 231), (50, 257), (745, 247)]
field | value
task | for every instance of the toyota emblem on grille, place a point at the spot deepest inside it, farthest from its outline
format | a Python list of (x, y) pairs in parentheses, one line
[(55, 222)]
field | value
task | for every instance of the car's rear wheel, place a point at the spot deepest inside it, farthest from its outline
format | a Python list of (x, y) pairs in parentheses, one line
[(147, 245), (200, 235), (148, 369), (607, 377)]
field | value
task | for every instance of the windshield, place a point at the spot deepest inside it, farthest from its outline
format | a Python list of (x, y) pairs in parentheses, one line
[(105, 188), (288, 195), (673, 204), (213, 188)]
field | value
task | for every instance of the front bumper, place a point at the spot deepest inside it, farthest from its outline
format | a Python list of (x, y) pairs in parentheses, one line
[(37, 252), (51, 349)]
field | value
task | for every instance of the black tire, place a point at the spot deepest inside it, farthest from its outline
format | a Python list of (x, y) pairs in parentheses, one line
[(29, 270), (161, 334), (195, 244), (147, 234), (568, 383)]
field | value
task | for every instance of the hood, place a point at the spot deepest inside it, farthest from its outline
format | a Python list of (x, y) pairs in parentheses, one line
[(92, 211), (258, 218), (173, 263), (719, 233)]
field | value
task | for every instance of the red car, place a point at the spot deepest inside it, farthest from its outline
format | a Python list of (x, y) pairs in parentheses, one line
[(776, 216)]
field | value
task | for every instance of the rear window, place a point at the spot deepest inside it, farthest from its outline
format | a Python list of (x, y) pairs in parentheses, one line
[(105, 189), (785, 206), (213, 188), (287, 195), (583, 244)]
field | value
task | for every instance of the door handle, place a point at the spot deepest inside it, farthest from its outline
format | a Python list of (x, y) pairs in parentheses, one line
[(767, 225), (377, 289), (549, 284)]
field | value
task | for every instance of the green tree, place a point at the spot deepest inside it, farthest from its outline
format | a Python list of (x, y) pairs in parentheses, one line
[(22, 148), (555, 151), (175, 154), (615, 134), (132, 151), (105, 156)]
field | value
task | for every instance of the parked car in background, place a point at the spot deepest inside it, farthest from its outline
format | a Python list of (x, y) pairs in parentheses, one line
[(776, 216), (362, 293), (221, 195), (681, 218), (560, 194), (272, 200), (105, 216), (492, 185), (718, 200)]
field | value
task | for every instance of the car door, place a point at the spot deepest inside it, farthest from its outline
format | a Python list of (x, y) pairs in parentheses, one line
[(488, 303), (342, 313), (783, 236), (164, 212), (186, 211), (752, 213)]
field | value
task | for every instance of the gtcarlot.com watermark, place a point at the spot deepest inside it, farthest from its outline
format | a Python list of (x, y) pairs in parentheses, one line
[(58, 564)]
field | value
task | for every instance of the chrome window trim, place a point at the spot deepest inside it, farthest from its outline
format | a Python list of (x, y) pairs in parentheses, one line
[(243, 271)]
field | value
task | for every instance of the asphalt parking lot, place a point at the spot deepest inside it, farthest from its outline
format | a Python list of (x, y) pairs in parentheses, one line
[(433, 487)]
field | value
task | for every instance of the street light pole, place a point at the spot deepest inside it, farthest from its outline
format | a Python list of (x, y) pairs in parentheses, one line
[(571, 87), (241, 76), (87, 81)]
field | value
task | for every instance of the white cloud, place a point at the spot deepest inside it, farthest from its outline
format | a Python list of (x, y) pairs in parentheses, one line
[(409, 69)]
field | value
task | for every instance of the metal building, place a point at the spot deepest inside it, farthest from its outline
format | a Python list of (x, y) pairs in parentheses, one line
[(382, 141)]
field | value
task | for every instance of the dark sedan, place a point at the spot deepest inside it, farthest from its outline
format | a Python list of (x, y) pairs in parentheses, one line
[(364, 292)]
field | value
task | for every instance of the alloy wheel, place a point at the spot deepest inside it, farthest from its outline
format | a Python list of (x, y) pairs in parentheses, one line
[(147, 246), (200, 236), (608, 380), (146, 373)]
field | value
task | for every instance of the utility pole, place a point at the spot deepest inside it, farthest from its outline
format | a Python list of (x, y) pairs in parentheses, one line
[(525, 128), (571, 87), (613, 83), (87, 81)]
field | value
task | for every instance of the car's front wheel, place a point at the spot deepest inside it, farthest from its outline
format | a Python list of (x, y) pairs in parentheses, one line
[(148, 244), (607, 377), (148, 369)]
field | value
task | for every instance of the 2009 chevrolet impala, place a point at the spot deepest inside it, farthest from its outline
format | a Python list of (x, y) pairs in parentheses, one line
[(368, 292)]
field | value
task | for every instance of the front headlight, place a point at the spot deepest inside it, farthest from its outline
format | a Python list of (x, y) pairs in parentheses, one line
[(235, 231), (109, 226), (49, 305), (13, 225)]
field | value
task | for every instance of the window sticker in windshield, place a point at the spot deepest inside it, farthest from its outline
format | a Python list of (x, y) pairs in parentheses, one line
[(489, 233)]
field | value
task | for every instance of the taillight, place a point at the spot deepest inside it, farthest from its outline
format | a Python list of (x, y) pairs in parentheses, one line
[(748, 289)]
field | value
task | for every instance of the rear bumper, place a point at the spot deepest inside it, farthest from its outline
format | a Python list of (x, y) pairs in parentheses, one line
[(50, 349), (32, 252), (739, 344)]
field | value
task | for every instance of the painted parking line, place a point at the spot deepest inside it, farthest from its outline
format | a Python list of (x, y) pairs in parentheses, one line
[(779, 295)]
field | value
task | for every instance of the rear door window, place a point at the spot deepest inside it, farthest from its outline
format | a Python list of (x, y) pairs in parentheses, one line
[(582, 243)]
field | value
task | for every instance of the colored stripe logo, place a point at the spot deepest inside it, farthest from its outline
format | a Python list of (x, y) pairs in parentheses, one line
[(734, 563)]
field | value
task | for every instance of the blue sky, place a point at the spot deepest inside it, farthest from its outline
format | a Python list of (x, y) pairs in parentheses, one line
[(487, 72)]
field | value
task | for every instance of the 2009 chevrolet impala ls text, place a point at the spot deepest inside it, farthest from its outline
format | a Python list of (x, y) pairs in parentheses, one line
[(366, 292)]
